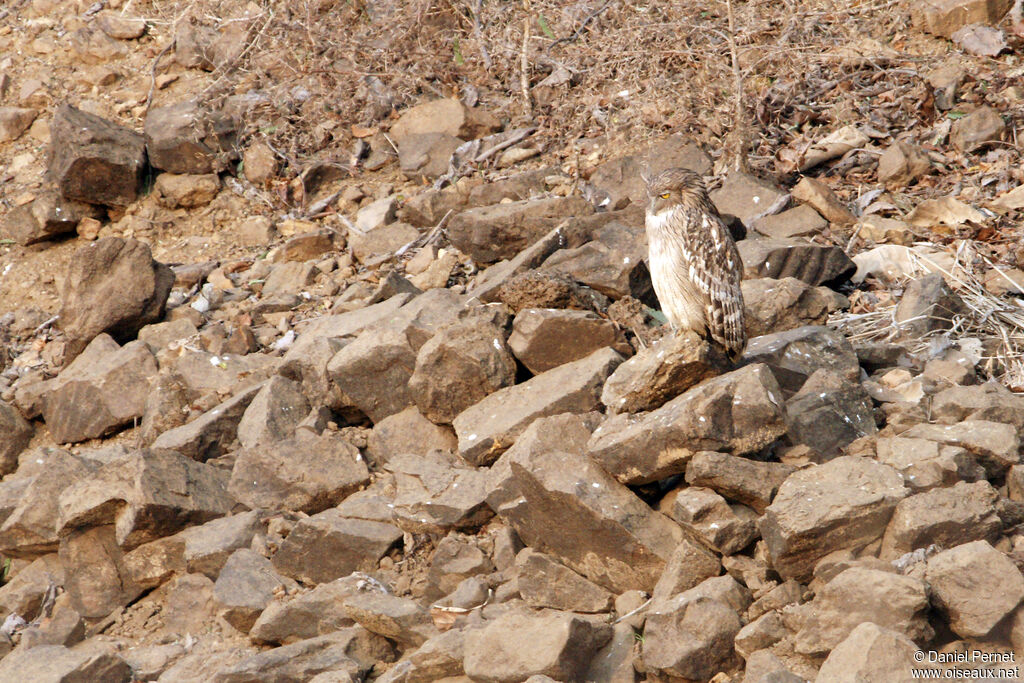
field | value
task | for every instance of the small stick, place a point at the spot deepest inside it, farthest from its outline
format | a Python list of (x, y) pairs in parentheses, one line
[(479, 34), (524, 65), (152, 73), (627, 615)]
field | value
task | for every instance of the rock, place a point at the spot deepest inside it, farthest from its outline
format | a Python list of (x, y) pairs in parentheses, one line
[(546, 338), (739, 412), (612, 263), (746, 481), (945, 17), (259, 163), (902, 164), (572, 509), (146, 496), (308, 615), (95, 160), (690, 565), (491, 425), (327, 546), (945, 517), (14, 121), (244, 588), (689, 637), (426, 156), (257, 231), (981, 40), (760, 633), (47, 216), (543, 289), (187, 137), (185, 191), (352, 650), (993, 444), (515, 646), (306, 247), (25, 591), (660, 372), (619, 182), (844, 503), (975, 130), (800, 221), (289, 277), (209, 435), (384, 239), (928, 304), (975, 586), (373, 372), (460, 366), (58, 663), (94, 572), (376, 214), (748, 198), (159, 336), (155, 563), (860, 595), (779, 305), (436, 492), (990, 401), (17, 435), (491, 233), (307, 474), (456, 558), (816, 193), (102, 390), (396, 618), (794, 355), (829, 412), (113, 286), (886, 230), (706, 516), (780, 258), (273, 414), (927, 464), (444, 115), (407, 432), (63, 626), (208, 546), (543, 582), (870, 653)]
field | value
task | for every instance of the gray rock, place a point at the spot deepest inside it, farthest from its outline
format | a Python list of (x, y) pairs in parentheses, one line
[(245, 586), (806, 261), (689, 637), (188, 137), (273, 414), (829, 412), (209, 435), (794, 355), (779, 305), (928, 304)]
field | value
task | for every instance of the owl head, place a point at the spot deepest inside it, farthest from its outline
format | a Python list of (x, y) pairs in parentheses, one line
[(673, 187)]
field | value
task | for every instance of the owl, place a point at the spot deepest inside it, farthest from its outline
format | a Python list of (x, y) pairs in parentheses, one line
[(695, 267)]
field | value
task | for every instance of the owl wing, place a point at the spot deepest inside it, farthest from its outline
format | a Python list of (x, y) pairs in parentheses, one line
[(717, 271)]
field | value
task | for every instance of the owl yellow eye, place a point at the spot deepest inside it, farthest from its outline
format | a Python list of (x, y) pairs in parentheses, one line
[(664, 195)]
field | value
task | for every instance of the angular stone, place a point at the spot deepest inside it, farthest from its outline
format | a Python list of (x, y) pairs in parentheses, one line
[(245, 586), (456, 558), (444, 115), (94, 572), (748, 198), (491, 425), (17, 435), (779, 305), (460, 366), (289, 277), (902, 163), (927, 464), (376, 214), (545, 289), (309, 474), (928, 304), (546, 338), (436, 492), (689, 566), (312, 614), (515, 646), (743, 480), (209, 435), (273, 414), (426, 156), (407, 432), (47, 216), (661, 372), (14, 121), (779, 258), (818, 194), (352, 650), (945, 17), (24, 592), (945, 516), (829, 412), (690, 637), (977, 129), (208, 546), (63, 626), (491, 233), (102, 390), (185, 191), (380, 240), (860, 595), (327, 546), (113, 286), (760, 633), (395, 618), (739, 412), (995, 445), (95, 160), (575, 511), (146, 496), (975, 586), (543, 582), (64, 665), (706, 516), (870, 653), (187, 137), (794, 355), (306, 247), (844, 503), (373, 372), (800, 221), (155, 563), (612, 263)]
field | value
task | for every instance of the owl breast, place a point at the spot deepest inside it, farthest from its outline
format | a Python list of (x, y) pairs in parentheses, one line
[(670, 259)]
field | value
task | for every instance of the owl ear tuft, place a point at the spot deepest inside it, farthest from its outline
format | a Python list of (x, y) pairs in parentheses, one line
[(645, 175)]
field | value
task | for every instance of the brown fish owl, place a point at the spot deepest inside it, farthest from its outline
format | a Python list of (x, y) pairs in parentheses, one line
[(695, 267)]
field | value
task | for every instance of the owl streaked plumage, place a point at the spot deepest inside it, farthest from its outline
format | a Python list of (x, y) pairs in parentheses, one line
[(695, 266)]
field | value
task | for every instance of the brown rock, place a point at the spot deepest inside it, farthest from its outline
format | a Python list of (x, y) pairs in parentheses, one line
[(690, 565), (259, 163), (795, 355), (189, 138), (545, 338), (17, 435), (543, 582), (611, 263), (59, 663), (396, 618), (707, 516), (120, 26), (113, 286), (746, 481), (185, 191), (928, 304), (994, 445), (870, 653), (544, 289), (436, 492), (779, 305), (48, 216), (382, 239), (927, 464), (748, 198), (739, 412), (95, 160), (689, 637), (407, 432), (844, 503), (444, 115), (819, 195), (208, 546), (209, 435), (945, 17), (902, 164), (273, 414), (14, 121), (515, 646), (308, 615), (426, 156), (975, 586), (800, 221), (974, 131), (245, 586), (94, 572), (829, 412), (944, 516)]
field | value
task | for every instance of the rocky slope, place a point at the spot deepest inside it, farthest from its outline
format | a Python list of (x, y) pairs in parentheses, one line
[(413, 417)]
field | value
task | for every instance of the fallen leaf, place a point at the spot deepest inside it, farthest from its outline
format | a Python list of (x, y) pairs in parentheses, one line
[(363, 131), (943, 211), (981, 40)]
